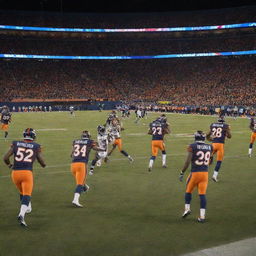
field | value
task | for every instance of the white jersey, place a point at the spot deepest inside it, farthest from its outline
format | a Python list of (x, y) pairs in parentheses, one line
[(114, 131), (139, 113), (103, 141)]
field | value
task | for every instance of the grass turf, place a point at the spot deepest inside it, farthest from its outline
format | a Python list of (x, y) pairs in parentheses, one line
[(128, 211)]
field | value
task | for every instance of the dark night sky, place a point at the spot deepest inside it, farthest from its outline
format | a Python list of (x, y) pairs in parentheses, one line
[(120, 6)]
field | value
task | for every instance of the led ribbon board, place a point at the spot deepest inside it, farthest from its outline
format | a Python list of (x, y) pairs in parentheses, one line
[(168, 56), (114, 30)]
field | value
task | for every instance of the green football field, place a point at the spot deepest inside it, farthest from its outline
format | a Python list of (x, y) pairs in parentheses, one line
[(127, 211)]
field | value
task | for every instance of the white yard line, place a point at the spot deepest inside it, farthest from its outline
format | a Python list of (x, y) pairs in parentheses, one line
[(51, 129), (246, 247)]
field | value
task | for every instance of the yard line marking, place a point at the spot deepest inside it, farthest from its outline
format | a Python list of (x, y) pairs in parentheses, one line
[(51, 129)]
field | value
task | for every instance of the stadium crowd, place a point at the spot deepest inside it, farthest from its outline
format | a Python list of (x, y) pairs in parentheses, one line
[(198, 81), (212, 81)]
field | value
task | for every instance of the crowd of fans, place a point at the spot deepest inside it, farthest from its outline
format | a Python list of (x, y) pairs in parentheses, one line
[(196, 81), (211, 81)]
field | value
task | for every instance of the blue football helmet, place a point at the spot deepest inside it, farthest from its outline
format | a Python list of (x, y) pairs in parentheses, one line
[(86, 135), (199, 136), (29, 134)]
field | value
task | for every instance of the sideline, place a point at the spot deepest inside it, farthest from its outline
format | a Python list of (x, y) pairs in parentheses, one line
[(246, 247)]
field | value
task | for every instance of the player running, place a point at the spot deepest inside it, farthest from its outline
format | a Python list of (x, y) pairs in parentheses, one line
[(114, 130), (5, 120), (199, 156), (71, 111), (25, 152), (253, 135), (103, 139), (158, 129), (217, 134), (80, 156)]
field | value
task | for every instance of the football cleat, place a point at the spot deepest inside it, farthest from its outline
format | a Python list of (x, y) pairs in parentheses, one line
[(249, 155), (164, 166), (22, 221), (130, 159), (98, 163), (91, 172), (77, 204), (150, 169), (186, 213), (200, 220), (214, 179)]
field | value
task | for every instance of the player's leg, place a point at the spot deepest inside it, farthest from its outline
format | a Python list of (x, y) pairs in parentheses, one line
[(5, 129), (154, 149), (120, 148), (113, 148), (163, 155), (24, 182), (202, 187), (79, 172), (188, 194), (220, 154), (253, 136), (94, 161)]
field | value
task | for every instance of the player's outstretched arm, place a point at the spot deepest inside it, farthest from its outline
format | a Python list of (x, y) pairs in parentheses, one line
[(186, 165), (208, 136), (40, 159), (7, 157), (229, 132)]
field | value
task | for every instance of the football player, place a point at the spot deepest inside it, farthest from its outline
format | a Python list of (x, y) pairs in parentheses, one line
[(158, 129), (115, 132), (199, 156), (253, 135), (218, 132), (103, 140), (25, 152), (71, 111), (80, 155), (5, 120)]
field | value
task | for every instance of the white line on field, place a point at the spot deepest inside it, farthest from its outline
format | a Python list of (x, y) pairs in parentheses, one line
[(51, 129)]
